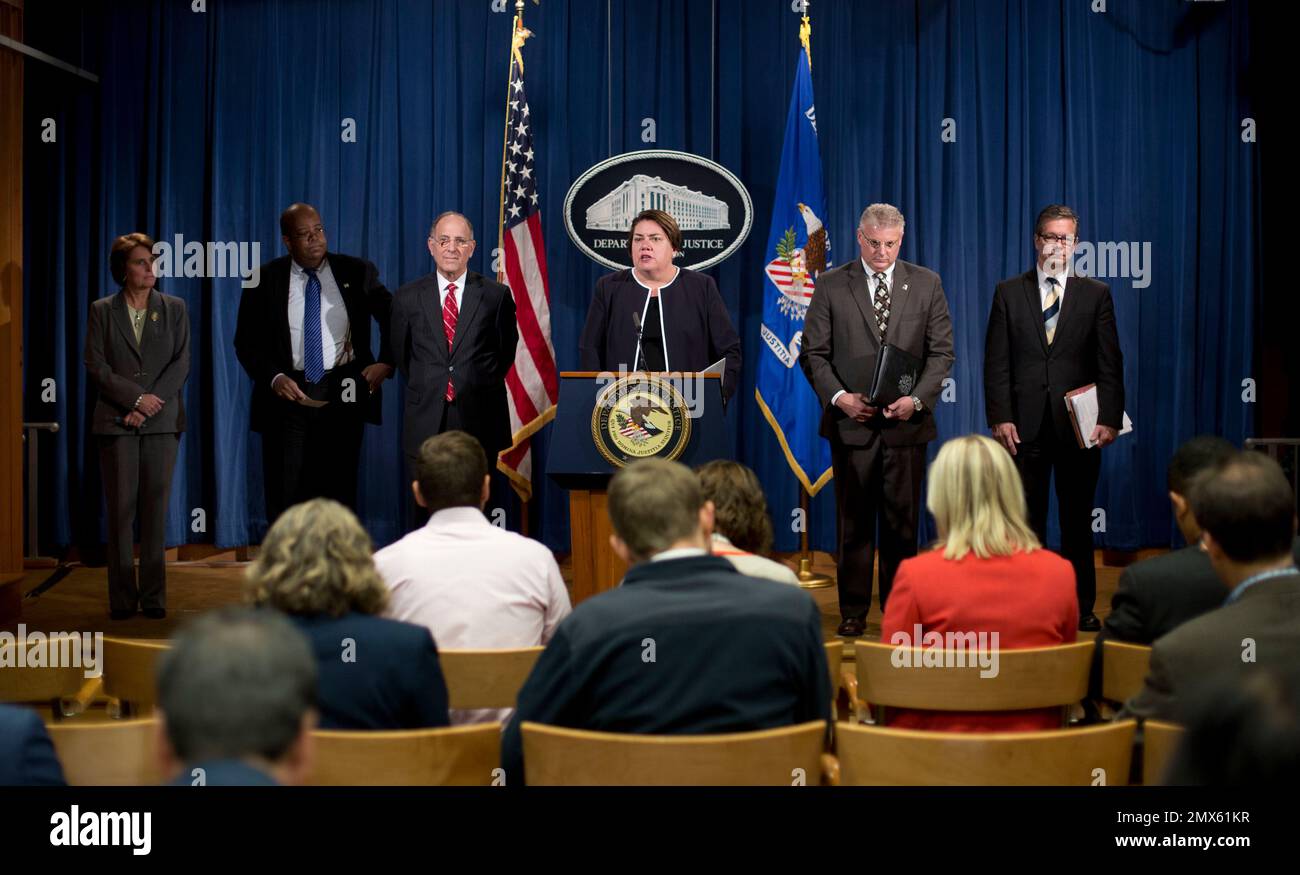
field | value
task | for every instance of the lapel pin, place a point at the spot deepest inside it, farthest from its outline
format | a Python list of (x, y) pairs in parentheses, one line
[(904, 286), (153, 317), (345, 285)]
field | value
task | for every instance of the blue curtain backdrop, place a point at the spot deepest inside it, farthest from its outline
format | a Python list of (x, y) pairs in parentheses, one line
[(206, 124)]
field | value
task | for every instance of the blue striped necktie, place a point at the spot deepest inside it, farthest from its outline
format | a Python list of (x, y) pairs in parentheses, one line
[(1052, 310), (312, 354)]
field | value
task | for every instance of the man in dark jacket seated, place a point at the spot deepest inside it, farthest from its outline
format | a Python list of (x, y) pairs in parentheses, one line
[(686, 644), (237, 701), (26, 755)]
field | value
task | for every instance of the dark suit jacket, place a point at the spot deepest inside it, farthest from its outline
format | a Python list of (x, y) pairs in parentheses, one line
[(223, 773), (26, 754), (1210, 645), (394, 682), (731, 654), (698, 330), (122, 371), (262, 341), (1022, 373), (482, 353), (841, 338)]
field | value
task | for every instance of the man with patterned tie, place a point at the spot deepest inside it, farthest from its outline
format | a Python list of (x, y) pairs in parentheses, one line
[(1051, 332), (454, 335), (304, 336), (877, 453)]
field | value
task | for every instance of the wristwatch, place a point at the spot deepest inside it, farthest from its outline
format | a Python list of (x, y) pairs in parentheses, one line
[(916, 402)]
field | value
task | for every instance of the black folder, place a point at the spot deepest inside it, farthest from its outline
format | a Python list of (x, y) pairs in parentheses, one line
[(894, 377)]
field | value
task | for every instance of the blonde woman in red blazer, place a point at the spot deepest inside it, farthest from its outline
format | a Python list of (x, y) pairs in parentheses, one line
[(987, 574)]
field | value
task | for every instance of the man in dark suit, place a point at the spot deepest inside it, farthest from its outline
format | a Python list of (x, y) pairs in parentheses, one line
[(304, 338), (1049, 333), (877, 453), (454, 335), (26, 754), (237, 701), (1158, 594), (687, 644), (1246, 511)]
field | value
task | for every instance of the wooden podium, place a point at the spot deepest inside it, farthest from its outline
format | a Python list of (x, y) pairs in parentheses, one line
[(578, 465)]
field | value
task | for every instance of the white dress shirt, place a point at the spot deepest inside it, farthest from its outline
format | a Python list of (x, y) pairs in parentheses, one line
[(333, 315), (871, 284), (1042, 287), (474, 586), (443, 283)]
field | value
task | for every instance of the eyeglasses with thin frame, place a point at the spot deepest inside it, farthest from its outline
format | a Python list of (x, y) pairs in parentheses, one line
[(1058, 239), (446, 242), (886, 245)]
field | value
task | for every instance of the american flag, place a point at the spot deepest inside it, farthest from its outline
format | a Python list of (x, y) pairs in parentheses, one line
[(532, 383)]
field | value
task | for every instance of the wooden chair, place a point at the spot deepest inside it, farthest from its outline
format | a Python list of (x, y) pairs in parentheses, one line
[(43, 685), (1123, 669), (1159, 741), (117, 753), (874, 755), (130, 667), (834, 662), (457, 755), (554, 756), (1037, 677), (486, 678)]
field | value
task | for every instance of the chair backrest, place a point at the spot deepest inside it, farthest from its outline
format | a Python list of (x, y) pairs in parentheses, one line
[(1123, 669), (486, 678), (554, 756), (117, 753), (874, 755), (1159, 741), (130, 668), (954, 680), (834, 660), (20, 682), (457, 755)]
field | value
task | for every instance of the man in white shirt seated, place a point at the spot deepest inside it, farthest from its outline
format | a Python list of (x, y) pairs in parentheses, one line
[(474, 585), (742, 529)]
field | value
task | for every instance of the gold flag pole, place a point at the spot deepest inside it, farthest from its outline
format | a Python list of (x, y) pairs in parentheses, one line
[(807, 579)]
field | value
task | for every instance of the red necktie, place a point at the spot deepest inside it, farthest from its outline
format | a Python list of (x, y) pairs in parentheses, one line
[(450, 312)]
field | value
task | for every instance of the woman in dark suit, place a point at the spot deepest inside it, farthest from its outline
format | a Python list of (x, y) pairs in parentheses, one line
[(315, 566), (656, 316), (138, 356)]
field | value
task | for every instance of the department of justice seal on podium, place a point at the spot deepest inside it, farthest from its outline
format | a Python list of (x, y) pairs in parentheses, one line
[(641, 416)]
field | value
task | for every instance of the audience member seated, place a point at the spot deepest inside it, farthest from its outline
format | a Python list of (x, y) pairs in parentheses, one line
[(473, 584), (1243, 734), (686, 644), (375, 673), (26, 755), (742, 530), (1158, 594), (237, 701), (1246, 511), (987, 575)]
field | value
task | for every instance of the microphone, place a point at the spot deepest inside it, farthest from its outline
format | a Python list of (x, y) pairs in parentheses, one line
[(636, 320)]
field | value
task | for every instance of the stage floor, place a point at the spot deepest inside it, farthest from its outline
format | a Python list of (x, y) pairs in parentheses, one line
[(79, 601)]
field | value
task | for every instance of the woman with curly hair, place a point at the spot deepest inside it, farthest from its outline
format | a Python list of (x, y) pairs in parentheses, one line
[(375, 673), (742, 530)]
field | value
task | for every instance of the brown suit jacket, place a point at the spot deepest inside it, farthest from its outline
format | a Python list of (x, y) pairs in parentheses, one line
[(840, 340), (123, 370)]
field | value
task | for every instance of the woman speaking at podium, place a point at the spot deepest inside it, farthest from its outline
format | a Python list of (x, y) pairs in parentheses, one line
[(657, 316)]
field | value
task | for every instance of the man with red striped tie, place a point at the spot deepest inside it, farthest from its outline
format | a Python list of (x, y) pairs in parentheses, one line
[(454, 335)]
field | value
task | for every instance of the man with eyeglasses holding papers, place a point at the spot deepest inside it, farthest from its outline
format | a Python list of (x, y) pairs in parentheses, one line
[(1050, 333), (454, 335), (877, 450)]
